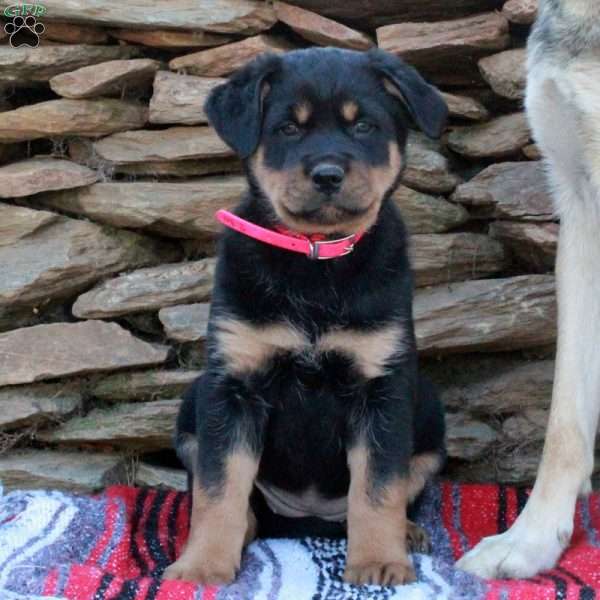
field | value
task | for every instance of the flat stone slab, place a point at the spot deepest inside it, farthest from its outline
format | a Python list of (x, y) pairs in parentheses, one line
[(521, 12), (90, 118), (464, 107), (110, 78), (25, 405), (143, 385), (148, 475), (502, 137), (81, 472), (179, 99), (467, 438), (427, 168), (21, 66), (185, 323), (148, 289), (374, 14), (45, 256), (223, 60), (169, 39), (223, 16), (175, 143), (511, 190), (60, 349), (183, 210), (506, 73), (490, 386), (321, 30), (445, 50), (423, 213), (534, 244), (438, 259), (142, 426), (487, 315), (35, 175), (69, 33)]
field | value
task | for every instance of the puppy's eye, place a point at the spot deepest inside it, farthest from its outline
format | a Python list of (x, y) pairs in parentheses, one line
[(363, 127), (290, 129)]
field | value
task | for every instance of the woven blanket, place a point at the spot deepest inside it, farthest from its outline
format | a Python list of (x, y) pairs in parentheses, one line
[(115, 546)]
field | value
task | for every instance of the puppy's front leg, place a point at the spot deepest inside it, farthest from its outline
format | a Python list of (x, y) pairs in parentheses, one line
[(225, 466), (378, 495)]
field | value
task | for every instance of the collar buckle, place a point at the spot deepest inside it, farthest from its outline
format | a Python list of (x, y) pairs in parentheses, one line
[(314, 247)]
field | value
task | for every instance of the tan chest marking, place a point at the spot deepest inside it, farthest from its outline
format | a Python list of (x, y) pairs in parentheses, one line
[(249, 348), (370, 351)]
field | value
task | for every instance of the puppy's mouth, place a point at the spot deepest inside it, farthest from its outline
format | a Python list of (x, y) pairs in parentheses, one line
[(329, 214)]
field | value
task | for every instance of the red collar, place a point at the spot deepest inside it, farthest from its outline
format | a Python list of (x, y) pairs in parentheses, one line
[(311, 246)]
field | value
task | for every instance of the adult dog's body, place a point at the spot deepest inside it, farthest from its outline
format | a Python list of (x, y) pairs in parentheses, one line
[(563, 103), (310, 401)]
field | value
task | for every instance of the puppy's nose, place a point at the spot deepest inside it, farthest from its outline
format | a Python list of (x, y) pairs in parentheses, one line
[(327, 177)]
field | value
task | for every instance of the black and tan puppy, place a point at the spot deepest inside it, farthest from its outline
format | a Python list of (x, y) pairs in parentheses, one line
[(310, 417)]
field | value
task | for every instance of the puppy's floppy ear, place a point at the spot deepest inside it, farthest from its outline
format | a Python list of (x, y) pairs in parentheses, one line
[(424, 103), (234, 108)]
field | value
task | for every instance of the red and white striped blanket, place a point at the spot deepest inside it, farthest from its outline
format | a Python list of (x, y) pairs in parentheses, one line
[(115, 546)]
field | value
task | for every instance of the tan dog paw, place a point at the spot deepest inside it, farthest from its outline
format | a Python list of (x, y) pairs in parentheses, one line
[(417, 539), (380, 573), (202, 572)]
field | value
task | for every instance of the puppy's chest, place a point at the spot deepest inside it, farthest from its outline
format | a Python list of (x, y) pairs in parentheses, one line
[(246, 348)]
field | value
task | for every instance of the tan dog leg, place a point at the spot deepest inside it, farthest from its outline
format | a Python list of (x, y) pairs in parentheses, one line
[(220, 525), (377, 527)]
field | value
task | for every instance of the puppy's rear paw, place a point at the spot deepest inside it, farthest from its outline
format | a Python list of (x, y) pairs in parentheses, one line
[(380, 573), (199, 572), (417, 539)]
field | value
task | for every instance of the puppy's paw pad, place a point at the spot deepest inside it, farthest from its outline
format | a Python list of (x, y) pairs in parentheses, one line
[(199, 573), (378, 573), (417, 539)]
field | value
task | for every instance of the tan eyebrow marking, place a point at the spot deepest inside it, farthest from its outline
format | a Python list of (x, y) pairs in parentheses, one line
[(302, 112), (349, 110)]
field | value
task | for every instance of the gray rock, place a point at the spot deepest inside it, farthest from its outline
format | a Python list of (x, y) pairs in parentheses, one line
[(62, 349), (534, 244), (35, 175), (179, 99), (80, 472), (142, 426), (464, 107), (423, 213), (506, 73), (183, 210), (110, 78), (438, 259), (508, 191), (143, 385), (467, 438), (45, 256), (25, 405), (148, 289), (24, 66), (90, 118), (426, 168), (185, 323), (486, 315), (148, 475), (223, 16), (503, 136)]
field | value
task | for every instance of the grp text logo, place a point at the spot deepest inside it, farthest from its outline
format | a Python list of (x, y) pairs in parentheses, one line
[(24, 28)]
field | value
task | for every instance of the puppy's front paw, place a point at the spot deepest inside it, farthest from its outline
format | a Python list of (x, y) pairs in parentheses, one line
[(417, 539), (380, 573), (199, 571)]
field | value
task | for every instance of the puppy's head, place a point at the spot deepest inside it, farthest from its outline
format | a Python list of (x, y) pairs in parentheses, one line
[(323, 132)]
